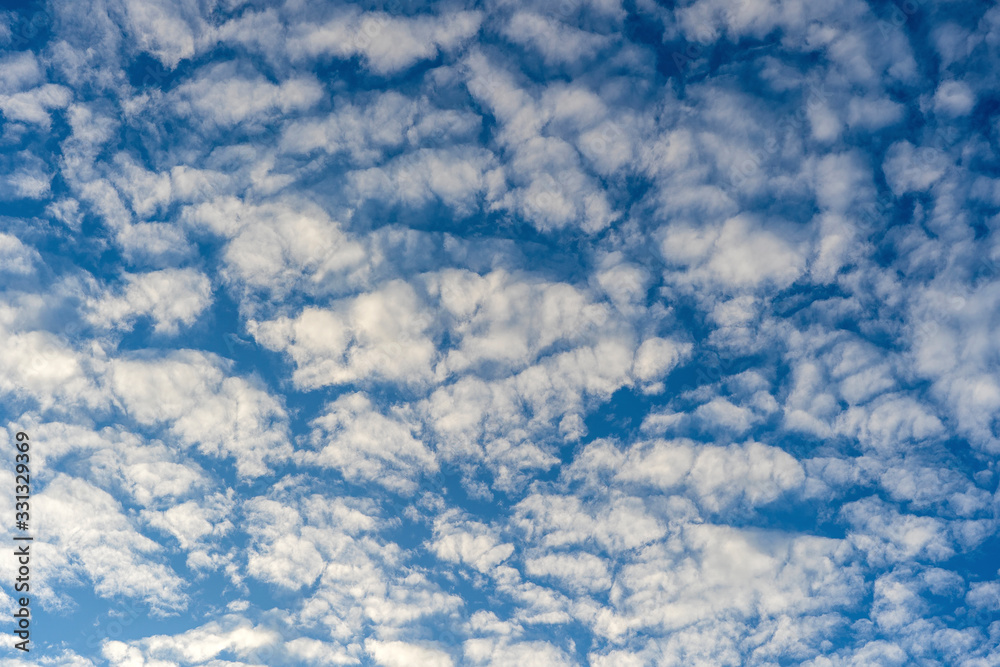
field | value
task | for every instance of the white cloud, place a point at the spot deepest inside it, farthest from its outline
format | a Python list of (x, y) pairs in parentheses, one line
[(365, 130), (502, 414), (149, 473), (280, 554), (550, 189), (20, 71), (493, 653), (831, 369), (923, 486), (563, 520), (557, 43), (887, 536), (154, 243), (879, 652), (44, 368), (388, 43), (623, 282), (277, 246), (469, 542), (316, 652), (486, 622), (192, 521), (457, 177), (655, 358), (402, 654), (984, 595), (738, 255), (502, 322), (911, 169), (954, 98), (719, 570), (171, 297), (843, 179), (327, 548), (98, 541), (28, 178), (160, 28), (15, 257), (232, 634), (223, 97), (891, 423), (151, 192), (191, 394), (720, 477), (575, 571), (380, 334), (720, 414), (34, 105), (365, 444), (873, 113)]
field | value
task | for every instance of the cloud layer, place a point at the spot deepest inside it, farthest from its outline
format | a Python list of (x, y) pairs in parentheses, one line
[(570, 333)]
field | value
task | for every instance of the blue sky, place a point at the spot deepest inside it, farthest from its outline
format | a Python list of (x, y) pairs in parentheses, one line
[(584, 332)]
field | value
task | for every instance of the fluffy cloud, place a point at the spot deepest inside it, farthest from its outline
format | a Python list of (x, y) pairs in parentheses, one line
[(47, 371), (388, 43), (171, 297), (550, 187), (190, 394), (365, 444), (576, 571), (275, 247), (25, 96), (398, 654), (558, 44), (738, 255), (564, 520), (720, 477), (233, 635), (15, 257), (97, 540), (470, 543), (731, 571), (378, 334), (222, 97), (491, 653)]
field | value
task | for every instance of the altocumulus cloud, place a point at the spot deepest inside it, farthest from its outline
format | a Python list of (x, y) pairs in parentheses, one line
[(580, 332)]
